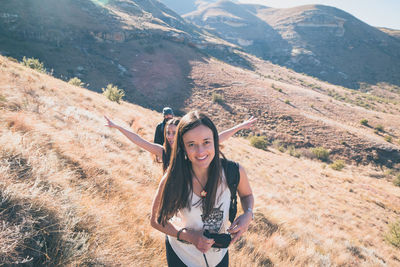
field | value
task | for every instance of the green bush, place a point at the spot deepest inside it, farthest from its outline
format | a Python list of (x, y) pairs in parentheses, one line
[(293, 152), (393, 236), (217, 98), (113, 93), (396, 180), (379, 128), (277, 144), (76, 81), (364, 122), (259, 142), (320, 153), (338, 165), (34, 63), (388, 138), (12, 59), (287, 101)]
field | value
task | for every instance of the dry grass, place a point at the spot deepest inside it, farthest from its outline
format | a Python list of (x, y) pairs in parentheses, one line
[(74, 192)]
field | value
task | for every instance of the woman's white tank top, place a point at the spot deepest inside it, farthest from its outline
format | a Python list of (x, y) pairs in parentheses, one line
[(217, 222)]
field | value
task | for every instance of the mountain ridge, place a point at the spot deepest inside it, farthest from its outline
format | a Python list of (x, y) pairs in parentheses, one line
[(322, 41)]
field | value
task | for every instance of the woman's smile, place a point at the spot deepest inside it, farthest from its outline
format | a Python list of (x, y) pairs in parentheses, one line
[(199, 146)]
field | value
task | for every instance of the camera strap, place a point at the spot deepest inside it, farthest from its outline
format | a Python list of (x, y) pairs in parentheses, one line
[(205, 258)]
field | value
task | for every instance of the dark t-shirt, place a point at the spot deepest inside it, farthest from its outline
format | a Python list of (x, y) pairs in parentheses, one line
[(159, 134)]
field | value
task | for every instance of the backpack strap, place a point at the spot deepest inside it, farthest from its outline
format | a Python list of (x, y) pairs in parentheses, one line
[(232, 175)]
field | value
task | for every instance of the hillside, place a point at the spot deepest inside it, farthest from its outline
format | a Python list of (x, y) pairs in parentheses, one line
[(321, 41), (132, 44), (299, 110), (74, 192)]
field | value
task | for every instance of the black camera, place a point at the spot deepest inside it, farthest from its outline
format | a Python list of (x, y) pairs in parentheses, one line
[(221, 240)]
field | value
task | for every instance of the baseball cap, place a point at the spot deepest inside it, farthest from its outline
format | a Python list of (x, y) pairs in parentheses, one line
[(167, 111)]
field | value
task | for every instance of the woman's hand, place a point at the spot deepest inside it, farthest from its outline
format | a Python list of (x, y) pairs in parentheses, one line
[(248, 124), (239, 226), (110, 123), (201, 242)]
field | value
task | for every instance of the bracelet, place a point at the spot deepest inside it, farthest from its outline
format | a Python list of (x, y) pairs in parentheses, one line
[(179, 233), (252, 213)]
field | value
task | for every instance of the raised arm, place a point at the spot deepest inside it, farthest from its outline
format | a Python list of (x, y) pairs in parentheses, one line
[(241, 224), (223, 136), (155, 149)]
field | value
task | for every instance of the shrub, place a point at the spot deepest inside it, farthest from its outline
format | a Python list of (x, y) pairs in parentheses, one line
[(259, 142), (393, 236), (379, 128), (320, 153), (76, 81), (34, 63), (12, 59), (287, 101), (396, 180), (2, 98), (388, 138), (338, 165), (364, 122), (217, 98), (277, 144), (293, 152), (113, 93)]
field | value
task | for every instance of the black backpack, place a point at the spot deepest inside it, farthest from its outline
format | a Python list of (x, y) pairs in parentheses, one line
[(232, 175)]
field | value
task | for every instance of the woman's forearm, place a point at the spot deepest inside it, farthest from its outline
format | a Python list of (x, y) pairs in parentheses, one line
[(136, 139), (247, 203)]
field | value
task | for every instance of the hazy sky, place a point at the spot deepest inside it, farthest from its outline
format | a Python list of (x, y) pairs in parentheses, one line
[(380, 13)]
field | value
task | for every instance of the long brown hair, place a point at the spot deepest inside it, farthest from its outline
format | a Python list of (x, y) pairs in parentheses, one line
[(167, 146), (178, 185)]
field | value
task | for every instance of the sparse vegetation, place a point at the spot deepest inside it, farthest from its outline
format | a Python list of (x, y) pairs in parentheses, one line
[(338, 165), (388, 138), (396, 180), (217, 98), (393, 236), (278, 145), (2, 98), (33, 63), (12, 59), (76, 81), (293, 152), (287, 101), (321, 153), (379, 128), (364, 122), (277, 88), (260, 142), (113, 93)]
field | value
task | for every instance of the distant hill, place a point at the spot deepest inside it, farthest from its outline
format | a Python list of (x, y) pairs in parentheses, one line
[(321, 41)]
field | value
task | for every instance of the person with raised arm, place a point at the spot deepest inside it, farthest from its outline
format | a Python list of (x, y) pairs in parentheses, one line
[(164, 151)]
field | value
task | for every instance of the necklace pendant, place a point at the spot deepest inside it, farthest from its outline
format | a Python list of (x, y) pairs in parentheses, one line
[(203, 193)]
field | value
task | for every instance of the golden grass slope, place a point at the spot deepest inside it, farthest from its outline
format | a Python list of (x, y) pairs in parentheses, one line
[(74, 192)]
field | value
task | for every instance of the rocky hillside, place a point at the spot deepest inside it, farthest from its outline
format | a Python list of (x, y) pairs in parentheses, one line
[(133, 44), (76, 193), (160, 60), (321, 41)]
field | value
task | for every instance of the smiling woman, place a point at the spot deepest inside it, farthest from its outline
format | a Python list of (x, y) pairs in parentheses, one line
[(192, 202)]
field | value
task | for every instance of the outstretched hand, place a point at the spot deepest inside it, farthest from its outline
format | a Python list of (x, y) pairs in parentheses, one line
[(239, 226), (248, 123), (110, 123)]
